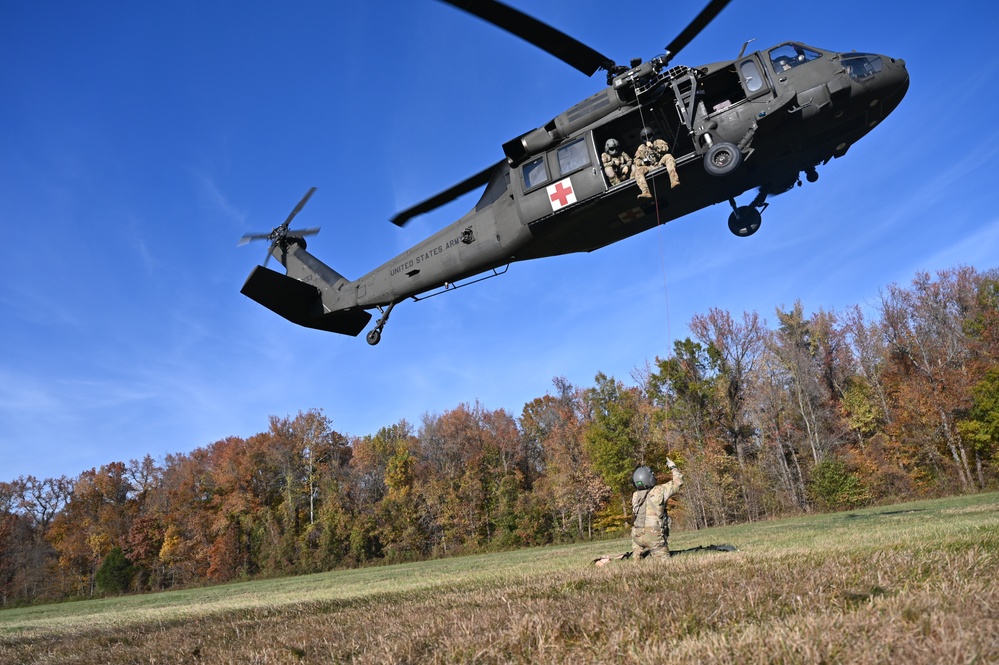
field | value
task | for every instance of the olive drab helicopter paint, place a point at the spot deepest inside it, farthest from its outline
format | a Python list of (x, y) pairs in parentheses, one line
[(756, 122)]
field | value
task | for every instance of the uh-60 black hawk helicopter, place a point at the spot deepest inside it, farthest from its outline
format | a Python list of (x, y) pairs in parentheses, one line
[(758, 121)]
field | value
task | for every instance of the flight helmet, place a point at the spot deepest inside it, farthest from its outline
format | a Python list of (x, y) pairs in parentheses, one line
[(643, 478)]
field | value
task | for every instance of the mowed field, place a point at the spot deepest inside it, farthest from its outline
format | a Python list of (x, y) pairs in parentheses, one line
[(912, 583)]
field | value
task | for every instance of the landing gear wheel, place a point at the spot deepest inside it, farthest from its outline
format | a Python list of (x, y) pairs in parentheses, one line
[(744, 221), (722, 158), (375, 335)]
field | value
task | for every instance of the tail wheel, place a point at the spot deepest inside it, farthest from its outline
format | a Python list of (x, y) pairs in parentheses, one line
[(375, 334), (722, 158), (744, 221)]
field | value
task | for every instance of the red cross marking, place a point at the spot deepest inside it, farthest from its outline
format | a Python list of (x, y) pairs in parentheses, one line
[(562, 194)]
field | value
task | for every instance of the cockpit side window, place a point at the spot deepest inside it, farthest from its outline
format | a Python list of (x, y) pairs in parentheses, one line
[(787, 56)]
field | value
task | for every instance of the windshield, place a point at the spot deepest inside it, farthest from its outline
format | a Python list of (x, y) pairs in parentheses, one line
[(862, 65), (786, 56)]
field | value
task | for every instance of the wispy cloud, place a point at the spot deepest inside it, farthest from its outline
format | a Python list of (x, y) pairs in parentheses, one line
[(215, 198), (24, 396), (980, 249), (29, 302)]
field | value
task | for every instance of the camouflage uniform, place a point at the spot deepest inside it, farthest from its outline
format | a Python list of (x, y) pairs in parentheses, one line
[(617, 168), (651, 155), (650, 532)]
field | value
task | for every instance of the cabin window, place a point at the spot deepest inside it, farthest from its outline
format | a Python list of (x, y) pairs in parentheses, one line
[(573, 156), (535, 173), (786, 56), (751, 75)]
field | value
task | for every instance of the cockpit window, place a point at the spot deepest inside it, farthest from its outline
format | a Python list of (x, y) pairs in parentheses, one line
[(787, 56), (862, 65), (535, 173)]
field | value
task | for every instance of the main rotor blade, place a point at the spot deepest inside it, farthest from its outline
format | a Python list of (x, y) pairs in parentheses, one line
[(478, 180), (562, 46), (298, 208), (700, 22)]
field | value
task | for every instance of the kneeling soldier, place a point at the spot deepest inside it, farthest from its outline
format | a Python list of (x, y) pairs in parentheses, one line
[(650, 532)]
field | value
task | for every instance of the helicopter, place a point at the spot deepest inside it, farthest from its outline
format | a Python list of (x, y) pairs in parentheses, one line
[(756, 122)]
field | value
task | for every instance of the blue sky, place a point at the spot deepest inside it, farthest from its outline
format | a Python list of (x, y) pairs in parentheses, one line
[(138, 142)]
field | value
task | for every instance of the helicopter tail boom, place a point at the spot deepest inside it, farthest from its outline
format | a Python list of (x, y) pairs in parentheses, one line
[(301, 303)]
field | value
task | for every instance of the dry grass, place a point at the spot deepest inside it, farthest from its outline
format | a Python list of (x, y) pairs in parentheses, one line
[(913, 584)]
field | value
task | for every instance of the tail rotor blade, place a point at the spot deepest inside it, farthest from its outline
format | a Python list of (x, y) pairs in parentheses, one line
[(301, 233), (298, 208), (250, 237)]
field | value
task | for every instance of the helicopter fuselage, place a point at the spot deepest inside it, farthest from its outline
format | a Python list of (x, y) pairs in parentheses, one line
[(755, 122)]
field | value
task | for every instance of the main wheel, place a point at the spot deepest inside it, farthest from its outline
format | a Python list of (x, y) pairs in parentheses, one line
[(744, 221), (722, 158), (374, 336)]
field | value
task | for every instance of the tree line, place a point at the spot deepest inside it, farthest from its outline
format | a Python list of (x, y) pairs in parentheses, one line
[(823, 410)]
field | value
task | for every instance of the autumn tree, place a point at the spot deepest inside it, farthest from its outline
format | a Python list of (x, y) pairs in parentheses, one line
[(468, 451), (869, 408), (571, 490), (682, 386), (736, 347), (369, 483), (811, 351), (780, 435), (935, 362), (189, 515), (24, 553), (980, 428), (687, 387), (96, 518)]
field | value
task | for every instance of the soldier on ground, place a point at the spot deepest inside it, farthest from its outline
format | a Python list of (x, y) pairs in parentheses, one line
[(617, 163), (651, 154), (650, 532)]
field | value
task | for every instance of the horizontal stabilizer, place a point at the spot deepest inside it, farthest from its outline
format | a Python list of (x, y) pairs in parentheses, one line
[(300, 303)]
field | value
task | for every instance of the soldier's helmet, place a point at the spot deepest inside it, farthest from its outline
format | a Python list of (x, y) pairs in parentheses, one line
[(611, 147), (643, 478), (647, 134)]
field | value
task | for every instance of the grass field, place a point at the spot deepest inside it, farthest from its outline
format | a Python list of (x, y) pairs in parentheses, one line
[(913, 583)]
